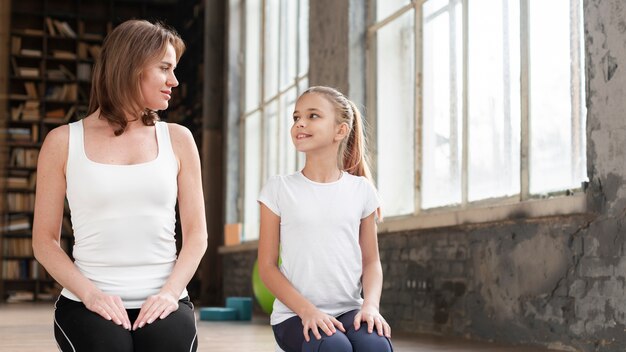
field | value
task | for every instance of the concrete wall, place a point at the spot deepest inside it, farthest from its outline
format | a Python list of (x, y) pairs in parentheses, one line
[(556, 282)]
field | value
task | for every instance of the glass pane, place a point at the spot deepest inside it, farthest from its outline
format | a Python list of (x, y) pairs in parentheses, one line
[(288, 41), (270, 139), (303, 37), (287, 157), (556, 98), (442, 105), (494, 99), (300, 158), (252, 54), (272, 36), (385, 8), (252, 176), (395, 54)]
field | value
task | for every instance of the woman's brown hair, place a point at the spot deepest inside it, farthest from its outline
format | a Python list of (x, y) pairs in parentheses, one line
[(116, 84)]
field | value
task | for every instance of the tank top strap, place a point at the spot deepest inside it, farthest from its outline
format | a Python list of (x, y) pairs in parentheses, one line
[(75, 146), (164, 141)]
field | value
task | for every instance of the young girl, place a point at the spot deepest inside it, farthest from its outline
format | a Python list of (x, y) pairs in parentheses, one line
[(324, 220)]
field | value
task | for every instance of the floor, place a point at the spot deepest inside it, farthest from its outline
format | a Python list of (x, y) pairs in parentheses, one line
[(27, 327)]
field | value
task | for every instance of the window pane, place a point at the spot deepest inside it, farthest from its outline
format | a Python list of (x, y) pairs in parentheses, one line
[(270, 139), (272, 22), (302, 86), (303, 37), (493, 101), (556, 98), (396, 115), (385, 8), (252, 54), (288, 42), (252, 174), (287, 158), (442, 105)]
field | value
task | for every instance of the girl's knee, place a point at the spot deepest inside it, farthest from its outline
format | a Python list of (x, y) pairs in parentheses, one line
[(338, 342), (372, 343)]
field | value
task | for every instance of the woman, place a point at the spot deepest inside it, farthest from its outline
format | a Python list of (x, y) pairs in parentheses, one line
[(122, 171)]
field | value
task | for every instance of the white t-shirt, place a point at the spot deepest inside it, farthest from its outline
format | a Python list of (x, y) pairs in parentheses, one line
[(319, 238)]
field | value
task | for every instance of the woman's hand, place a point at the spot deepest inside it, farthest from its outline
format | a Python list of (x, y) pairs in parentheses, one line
[(314, 319), (109, 307), (156, 307), (372, 317)]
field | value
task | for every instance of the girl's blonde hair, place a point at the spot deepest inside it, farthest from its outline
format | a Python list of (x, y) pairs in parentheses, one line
[(125, 53), (352, 156)]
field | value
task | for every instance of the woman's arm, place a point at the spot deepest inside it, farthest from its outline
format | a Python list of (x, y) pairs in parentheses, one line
[(372, 279), (49, 203), (277, 283), (194, 230)]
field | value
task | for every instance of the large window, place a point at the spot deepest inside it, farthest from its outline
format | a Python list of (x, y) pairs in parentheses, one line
[(477, 101), (275, 65)]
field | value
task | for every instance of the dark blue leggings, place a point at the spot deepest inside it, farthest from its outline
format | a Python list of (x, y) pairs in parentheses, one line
[(289, 337), (78, 329)]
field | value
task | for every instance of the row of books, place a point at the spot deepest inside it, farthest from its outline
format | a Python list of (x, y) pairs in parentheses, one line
[(23, 134), (27, 111), (17, 247), (63, 92), (23, 269), (83, 71), (24, 157), (59, 28), (17, 201), (84, 51), (16, 223), (25, 181)]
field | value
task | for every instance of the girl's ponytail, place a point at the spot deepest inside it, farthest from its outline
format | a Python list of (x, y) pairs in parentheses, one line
[(354, 155)]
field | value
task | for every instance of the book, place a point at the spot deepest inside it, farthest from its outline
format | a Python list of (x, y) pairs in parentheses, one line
[(67, 72), (16, 112), (31, 90), (16, 45), (32, 72), (50, 27), (31, 52), (63, 54), (83, 72)]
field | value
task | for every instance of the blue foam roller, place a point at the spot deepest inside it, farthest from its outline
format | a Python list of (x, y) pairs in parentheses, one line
[(218, 313), (243, 305)]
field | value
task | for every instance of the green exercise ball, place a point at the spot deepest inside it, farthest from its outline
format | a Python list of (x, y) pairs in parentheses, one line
[(261, 293)]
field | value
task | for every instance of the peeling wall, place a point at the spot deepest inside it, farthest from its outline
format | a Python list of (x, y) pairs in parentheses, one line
[(557, 282)]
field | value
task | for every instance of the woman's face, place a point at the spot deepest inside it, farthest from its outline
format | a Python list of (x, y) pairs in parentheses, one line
[(157, 81)]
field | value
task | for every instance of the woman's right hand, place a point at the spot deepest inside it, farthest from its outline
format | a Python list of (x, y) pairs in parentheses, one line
[(108, 307), (314, 318)]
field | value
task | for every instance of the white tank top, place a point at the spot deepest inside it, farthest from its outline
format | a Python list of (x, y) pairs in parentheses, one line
[(123, 218)]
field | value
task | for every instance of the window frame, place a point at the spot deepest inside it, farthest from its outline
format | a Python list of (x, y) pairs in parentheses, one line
[(523, 205), (266, 100)]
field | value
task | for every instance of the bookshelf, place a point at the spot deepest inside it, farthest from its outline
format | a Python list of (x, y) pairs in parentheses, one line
[(52, 46)]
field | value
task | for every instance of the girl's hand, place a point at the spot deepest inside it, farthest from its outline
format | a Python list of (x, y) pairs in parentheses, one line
[(108, 307), (373, 318), (314, 319), (156, 307)]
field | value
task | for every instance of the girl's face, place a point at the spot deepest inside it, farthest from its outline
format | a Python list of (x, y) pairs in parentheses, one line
[(315, 124), (157, 81)]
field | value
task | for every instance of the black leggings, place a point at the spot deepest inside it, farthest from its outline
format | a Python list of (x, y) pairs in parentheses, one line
[(290, 338), (77, 329)]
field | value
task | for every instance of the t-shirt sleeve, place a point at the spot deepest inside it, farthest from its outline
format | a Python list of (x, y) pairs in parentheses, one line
[(269, 194), (372, 201)]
